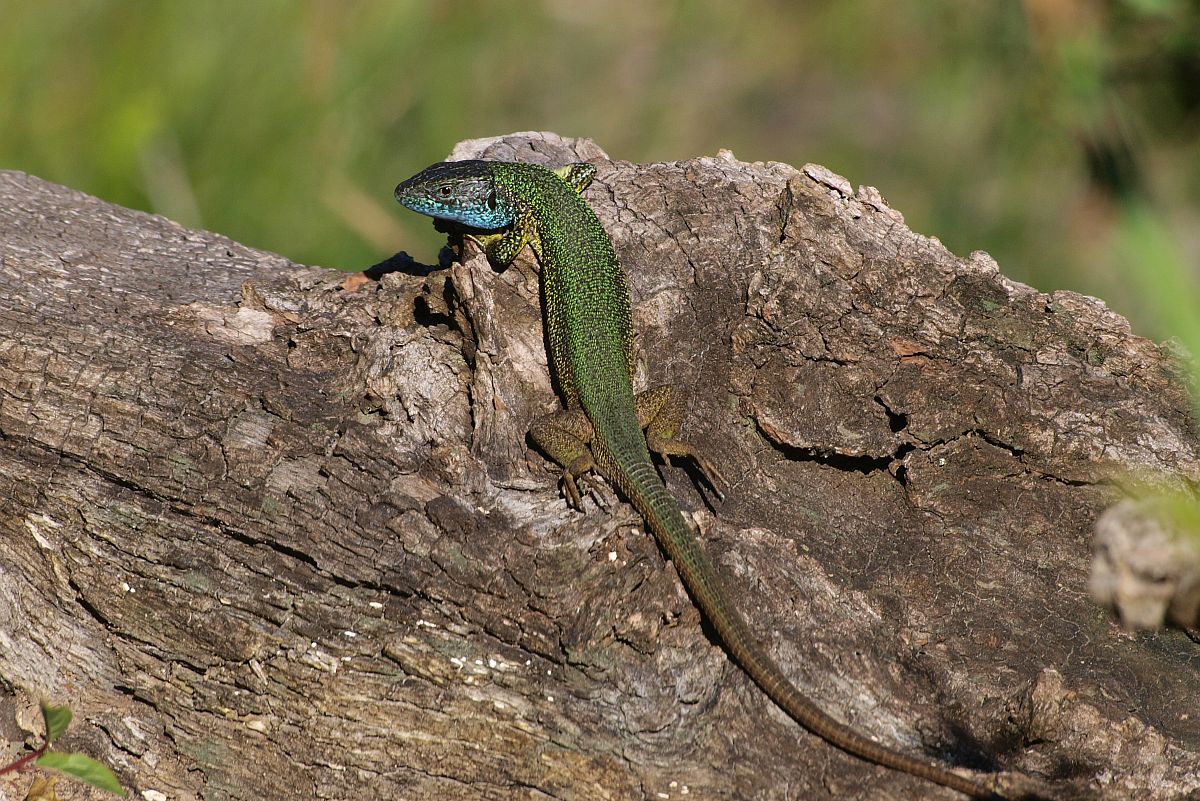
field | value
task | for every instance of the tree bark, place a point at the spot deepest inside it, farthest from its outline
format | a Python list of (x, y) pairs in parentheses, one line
[(275, 532)]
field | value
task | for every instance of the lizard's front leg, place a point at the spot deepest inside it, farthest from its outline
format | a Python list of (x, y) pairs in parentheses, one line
[(660, 413), (564, 437), (502, 248)]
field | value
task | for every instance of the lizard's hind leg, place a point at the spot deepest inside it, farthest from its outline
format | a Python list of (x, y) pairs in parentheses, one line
[(660, 413), (564, 437)]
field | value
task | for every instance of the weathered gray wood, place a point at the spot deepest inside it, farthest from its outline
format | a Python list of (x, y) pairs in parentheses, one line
[(275, 533)]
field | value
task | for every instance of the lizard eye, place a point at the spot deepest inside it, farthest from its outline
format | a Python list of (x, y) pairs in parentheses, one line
[(444, 191), (491, 201)]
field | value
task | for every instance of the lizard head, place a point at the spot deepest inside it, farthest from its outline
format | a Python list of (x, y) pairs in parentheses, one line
[(460, 191)]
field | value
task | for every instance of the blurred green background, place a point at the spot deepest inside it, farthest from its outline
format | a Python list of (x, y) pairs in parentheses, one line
[(1063, 136)]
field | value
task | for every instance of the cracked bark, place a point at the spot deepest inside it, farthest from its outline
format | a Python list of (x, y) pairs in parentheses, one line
[(275, 533)]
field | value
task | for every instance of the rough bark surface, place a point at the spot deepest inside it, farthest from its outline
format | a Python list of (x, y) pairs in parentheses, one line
[(274, 532)]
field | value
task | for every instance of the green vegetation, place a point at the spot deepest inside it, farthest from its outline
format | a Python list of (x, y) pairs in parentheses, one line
[(78, 766), (1008, 127)]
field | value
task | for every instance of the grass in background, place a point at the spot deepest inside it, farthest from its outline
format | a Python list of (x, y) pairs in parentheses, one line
[(1019, 128)]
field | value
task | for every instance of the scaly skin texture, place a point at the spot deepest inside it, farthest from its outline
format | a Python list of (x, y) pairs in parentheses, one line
[(587, 315)]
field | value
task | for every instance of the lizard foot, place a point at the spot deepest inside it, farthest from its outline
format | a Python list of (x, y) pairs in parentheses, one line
[(660, 412)]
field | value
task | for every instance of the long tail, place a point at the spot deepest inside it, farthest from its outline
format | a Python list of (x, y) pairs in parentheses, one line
[(649, 495)]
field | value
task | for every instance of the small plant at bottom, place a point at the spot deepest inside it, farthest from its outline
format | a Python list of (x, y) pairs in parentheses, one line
[(78, 766)]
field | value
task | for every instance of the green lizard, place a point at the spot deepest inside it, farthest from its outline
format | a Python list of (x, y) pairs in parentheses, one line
[(587, 315)]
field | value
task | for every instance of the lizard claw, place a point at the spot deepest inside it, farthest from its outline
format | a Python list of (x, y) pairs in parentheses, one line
[(592, 486), (570, 491), (712, 476)]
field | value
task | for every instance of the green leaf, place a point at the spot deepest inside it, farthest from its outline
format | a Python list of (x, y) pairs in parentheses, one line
[(83, 768), (57, 719)]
